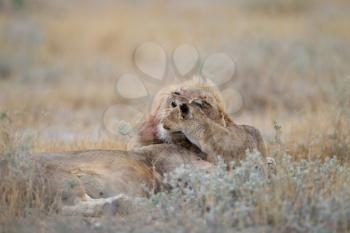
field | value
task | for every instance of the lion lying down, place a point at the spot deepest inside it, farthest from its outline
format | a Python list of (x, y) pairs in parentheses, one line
[(188, 125)]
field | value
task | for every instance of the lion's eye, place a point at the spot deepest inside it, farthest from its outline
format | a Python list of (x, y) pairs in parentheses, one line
[(206, 104), (176, 93), (173, 104), (202, 103), (198, 103)]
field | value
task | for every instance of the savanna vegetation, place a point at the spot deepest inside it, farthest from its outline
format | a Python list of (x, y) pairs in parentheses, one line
[(59, 62)]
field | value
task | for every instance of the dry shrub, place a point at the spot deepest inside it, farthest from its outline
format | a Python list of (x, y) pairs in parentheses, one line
[(304, 196)]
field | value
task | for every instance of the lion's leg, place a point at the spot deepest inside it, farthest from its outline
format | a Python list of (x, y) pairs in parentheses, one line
[(97, 207), (229, 141), (210, 137)]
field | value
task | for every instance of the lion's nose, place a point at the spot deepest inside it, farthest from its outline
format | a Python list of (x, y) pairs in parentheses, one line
[(184, 108), (173, 104)]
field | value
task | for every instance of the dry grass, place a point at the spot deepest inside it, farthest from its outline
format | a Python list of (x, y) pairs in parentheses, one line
[(59, 63)]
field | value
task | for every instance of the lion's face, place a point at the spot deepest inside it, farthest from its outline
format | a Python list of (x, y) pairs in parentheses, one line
[(201, 98), (183, 98)]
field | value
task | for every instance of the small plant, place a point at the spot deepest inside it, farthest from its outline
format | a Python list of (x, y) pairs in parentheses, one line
[(278, 132)]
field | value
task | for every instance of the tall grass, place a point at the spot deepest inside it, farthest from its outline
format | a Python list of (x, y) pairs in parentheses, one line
[(304, 196), (24, 190)]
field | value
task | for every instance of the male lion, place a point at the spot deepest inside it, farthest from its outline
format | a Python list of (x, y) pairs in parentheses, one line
[(188, 125)]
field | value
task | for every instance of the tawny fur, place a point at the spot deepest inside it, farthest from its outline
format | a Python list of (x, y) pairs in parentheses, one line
[(88, 182), (206, 129), (94, 182)]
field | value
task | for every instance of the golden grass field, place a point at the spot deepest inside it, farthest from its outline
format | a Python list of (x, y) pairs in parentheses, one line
[(59, 62)]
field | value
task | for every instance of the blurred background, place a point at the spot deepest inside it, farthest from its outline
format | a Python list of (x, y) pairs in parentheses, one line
[(59, 62)]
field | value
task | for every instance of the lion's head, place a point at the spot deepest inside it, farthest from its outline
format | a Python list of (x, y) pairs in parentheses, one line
[(200, 93)]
